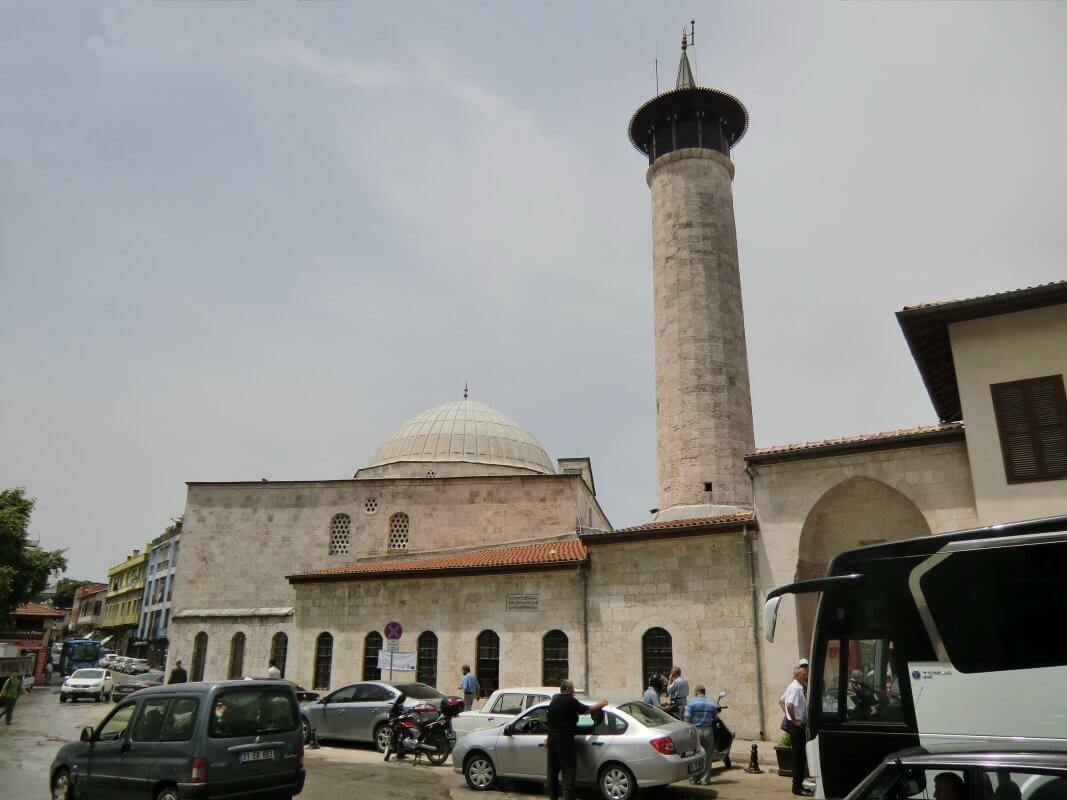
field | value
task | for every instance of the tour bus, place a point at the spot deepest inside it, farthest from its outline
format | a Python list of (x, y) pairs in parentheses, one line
[(78, 653), (955, 638)]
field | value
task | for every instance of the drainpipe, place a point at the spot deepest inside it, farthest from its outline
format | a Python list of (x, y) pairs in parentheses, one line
[(583, 571), (750, 554)]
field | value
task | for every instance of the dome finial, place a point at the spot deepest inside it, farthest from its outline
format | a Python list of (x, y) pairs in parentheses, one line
[(466, 391)]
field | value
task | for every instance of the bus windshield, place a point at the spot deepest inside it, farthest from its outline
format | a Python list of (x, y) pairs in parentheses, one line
[(84, 651)]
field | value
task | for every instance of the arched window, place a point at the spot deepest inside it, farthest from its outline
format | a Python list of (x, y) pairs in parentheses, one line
[(399, 526), (340, 534), (487, 665), (323, 660), (657, 654), (199, 656), (237, 656), (278, 647), (372, 645), (426, 659), (554, 656)]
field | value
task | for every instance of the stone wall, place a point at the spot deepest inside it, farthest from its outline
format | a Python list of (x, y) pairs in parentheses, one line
[(258, 631)]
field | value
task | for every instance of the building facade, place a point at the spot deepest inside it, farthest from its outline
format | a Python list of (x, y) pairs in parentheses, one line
[(160, 570), (88, 610), (33, 628), (122, 606)]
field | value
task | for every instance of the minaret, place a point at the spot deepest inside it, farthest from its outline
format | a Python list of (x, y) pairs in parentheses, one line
[(703, 402)]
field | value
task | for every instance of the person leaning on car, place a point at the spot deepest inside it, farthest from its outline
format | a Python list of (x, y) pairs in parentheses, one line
[(563, 713)]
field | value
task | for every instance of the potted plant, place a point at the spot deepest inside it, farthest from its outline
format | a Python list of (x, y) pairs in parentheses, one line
[(784, 752)]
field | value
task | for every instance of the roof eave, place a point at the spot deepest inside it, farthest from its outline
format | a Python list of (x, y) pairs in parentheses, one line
[(623, 537), (868, 446), (492, 569)]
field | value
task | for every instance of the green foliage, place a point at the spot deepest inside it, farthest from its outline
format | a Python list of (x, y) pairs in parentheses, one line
[(24, 570), (785, 741), (65, 588)]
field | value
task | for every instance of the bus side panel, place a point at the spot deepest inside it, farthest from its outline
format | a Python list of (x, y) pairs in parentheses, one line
[(853, 755), (990, 708)]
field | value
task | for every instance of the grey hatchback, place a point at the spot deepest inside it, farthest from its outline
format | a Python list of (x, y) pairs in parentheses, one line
[(233, 739)]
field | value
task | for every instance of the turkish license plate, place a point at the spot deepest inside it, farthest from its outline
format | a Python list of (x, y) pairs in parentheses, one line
[(696, 766), (452, 737), (256, 755)]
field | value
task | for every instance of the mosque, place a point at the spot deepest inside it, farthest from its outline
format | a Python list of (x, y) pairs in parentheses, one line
[(490, 553)]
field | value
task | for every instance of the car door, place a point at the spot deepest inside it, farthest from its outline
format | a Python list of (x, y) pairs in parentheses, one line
[(373, 701), (522, 753), (505, 708), (594, 741), (136, 774), (333, 719), (105, 755)]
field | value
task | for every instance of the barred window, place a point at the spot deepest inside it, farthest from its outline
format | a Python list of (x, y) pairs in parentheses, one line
[(370, 505), (323, 660), (237, 656), (340, 534), (426, 659), (372, 645), (199, 656), (554, 658), (487, 665), (399, 524), (657, 653), (278, 647)]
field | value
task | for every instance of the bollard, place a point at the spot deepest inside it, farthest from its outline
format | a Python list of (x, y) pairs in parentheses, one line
[(753, 762)]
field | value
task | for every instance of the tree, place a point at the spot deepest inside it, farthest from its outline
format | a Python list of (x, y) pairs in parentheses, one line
[(65, 589), (24, 568)]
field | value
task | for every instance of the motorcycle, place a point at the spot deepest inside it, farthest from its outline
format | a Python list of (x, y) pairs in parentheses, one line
[(721, 736), (410, 733)]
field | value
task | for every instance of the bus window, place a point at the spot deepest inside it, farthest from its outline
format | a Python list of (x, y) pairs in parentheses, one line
[(831, 679), (872, 691)]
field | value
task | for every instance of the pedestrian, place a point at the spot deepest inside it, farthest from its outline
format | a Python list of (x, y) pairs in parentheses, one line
[(178, 674), (9, 693), (652, 692), (273, 672), (795, 704), (701, 713), (677, 693), (563, 713), (468, 685), (48, 673)]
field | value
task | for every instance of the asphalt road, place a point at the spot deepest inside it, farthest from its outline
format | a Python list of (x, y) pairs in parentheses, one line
[(41, 725)]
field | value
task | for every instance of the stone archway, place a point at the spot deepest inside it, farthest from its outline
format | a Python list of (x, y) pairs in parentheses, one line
[(855, 512)]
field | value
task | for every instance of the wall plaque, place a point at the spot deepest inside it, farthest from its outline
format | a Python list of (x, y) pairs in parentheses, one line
[(523, 602)]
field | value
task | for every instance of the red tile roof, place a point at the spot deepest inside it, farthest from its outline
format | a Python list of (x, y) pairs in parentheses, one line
[(1041, 287), (697, 522), (503, 559), (36, 610), (920, 432)]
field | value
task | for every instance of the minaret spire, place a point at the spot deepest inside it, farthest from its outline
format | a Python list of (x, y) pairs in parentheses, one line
[(466, 391), (685, 72)]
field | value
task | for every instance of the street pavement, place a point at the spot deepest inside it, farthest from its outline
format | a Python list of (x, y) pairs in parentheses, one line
[(41, 725)]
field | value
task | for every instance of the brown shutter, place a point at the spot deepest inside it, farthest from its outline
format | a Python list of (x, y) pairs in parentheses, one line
[(1032, 422)]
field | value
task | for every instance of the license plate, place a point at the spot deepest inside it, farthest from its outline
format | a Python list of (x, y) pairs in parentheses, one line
[(696, 766), (452, 737), (256, 755)]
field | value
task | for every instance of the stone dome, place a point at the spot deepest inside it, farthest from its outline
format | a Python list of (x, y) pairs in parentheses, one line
[(464, 431)]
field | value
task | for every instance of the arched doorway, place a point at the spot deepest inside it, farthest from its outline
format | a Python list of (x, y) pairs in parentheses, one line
[(855, 512)]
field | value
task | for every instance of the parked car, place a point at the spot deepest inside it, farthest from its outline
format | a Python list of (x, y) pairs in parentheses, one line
[(91, 682), (502, 706), (628, 747), (146, 681), (359, 712), (138, 665), (120, 663), (303, 695), (982, 774), (189, 740)]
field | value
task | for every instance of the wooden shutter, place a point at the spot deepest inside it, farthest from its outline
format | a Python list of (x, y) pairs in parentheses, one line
[(1032, 421)]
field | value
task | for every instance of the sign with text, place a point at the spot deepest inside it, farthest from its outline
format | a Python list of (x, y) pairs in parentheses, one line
[(392, 645), (399, 661), (523, 602)]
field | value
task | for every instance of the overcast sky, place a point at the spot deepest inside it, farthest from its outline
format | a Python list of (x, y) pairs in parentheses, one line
[(248, 240)]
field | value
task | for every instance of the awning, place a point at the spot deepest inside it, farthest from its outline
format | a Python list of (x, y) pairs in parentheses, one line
[(106, 639)]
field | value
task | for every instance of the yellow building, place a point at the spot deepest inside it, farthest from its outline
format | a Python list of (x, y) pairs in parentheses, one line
[(122, 607)]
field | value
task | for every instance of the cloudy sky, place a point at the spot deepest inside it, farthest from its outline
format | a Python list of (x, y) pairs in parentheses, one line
[(245, 240)]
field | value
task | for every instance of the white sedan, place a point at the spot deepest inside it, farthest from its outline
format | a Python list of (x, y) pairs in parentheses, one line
[(502, 706), (90, 682)]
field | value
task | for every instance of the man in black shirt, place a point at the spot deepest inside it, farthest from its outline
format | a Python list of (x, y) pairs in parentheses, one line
[(563, 713), (178, 674)]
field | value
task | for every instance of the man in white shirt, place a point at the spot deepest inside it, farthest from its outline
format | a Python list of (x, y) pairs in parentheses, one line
[(794, 703), (273, 672)]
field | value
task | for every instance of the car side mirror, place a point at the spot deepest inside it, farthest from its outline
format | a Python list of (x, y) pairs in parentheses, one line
[(509, 730), (87, 734)]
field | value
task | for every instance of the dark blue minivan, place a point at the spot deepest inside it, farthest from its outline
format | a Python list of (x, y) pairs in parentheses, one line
[(231, 739)]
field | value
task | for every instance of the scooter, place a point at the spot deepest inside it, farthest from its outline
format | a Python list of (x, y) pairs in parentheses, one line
[(721, 736), (410, 734)]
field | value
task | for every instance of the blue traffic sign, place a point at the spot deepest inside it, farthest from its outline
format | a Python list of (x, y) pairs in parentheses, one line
[(393, 630)]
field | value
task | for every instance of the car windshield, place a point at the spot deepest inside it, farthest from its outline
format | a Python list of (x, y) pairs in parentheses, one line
[(647, 715), (251, 712), (88, 674), (419, 691)]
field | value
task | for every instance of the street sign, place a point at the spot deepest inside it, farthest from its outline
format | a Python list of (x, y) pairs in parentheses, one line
[(392, 645), (393, 630)]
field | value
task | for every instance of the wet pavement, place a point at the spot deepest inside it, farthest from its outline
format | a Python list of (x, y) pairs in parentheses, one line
[(336, 771)]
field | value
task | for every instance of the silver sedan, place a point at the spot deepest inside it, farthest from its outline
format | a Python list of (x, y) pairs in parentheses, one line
[(630, 746)]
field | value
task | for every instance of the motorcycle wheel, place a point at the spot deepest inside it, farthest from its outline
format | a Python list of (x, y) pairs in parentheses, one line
[(439, 754)]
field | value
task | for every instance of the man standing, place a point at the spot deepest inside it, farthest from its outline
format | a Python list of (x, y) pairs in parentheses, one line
[(677, 692), (9, 693), (652, 692), (468, 685), (273, 672), (795, 704), (701, 712), (563, 714), (178, 674)]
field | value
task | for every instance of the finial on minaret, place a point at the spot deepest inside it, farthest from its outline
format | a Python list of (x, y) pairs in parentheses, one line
[(466, 391), (685, 72)]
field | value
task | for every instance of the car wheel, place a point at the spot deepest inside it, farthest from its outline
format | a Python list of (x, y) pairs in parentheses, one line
[(99, 697), (167, 793), (61, 785), (62, 698), (617, 783), (305, 726), (108, 697), (383, 737), (439, 754), (479, 772)]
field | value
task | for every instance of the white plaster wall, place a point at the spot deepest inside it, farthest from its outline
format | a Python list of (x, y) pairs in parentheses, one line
[(1009, 347), (258, 633)]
